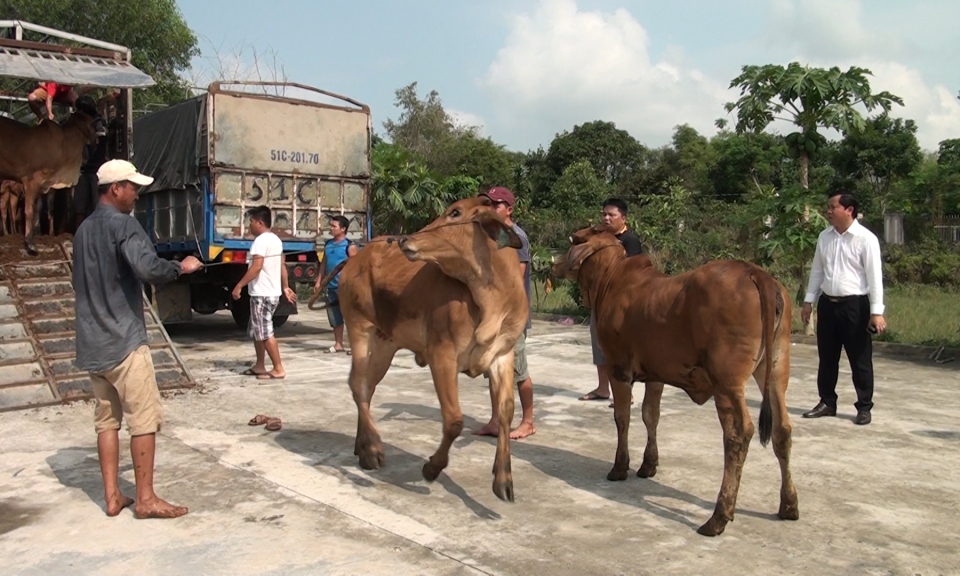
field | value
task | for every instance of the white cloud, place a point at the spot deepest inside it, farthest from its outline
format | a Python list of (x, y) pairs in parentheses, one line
[(829, 33), (563, 66), (462, 118)]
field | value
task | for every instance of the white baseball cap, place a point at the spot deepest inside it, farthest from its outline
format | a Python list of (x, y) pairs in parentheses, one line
[(120, 170)]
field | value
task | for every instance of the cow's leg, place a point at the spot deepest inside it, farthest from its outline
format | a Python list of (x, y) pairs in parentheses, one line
[(4, 203), (737, 433), (370, 362), (31, 197), (15, 213), (782, 430), (501, 382), (622, 397), (443, 368), (651, 418)]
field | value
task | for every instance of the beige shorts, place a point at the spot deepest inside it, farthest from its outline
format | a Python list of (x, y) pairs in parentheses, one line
[(129, 389)]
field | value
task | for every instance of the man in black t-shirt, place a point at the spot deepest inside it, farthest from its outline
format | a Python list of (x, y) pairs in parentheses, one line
[(615, 220)]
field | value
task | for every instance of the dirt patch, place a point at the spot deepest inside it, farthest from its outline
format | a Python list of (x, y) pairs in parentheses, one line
[(13, 516), (13, 248)]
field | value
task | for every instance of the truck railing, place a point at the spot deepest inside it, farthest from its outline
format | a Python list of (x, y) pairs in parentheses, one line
[(217, 87)]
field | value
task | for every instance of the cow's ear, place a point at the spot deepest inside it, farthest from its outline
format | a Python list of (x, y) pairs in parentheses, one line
[(577, 254), (498, 230)]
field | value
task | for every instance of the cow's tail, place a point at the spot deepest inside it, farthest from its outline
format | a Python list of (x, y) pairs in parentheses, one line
[(769, 297)]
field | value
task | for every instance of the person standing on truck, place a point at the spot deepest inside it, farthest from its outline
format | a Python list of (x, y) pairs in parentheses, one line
[(112, 258), (335, 251), (266, 281)]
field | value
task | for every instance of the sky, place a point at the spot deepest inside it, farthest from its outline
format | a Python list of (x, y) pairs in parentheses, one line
[(526, 70)]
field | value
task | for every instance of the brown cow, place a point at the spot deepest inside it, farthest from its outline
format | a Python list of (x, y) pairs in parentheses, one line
[(43, 157), (453, 297), (10, 194), (705, 331)]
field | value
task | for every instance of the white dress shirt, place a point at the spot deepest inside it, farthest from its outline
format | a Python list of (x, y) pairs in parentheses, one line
[(847, 264)]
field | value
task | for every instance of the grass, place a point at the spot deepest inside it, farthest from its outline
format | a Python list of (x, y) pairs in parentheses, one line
[(915, 314)]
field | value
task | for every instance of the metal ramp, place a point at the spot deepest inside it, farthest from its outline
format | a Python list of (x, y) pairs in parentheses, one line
[(37, 329)]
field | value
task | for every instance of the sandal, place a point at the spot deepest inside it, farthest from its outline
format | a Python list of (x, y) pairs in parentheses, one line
[(592, 395), (269, 376), (258, 420), (250, 372), (273, 424), (333, 350)]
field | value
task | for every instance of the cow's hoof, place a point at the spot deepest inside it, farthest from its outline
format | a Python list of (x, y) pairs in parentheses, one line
[(789, 511), (371, 459), (618, 474), (713, 527), (503, 489), (430, 471), (647, 470)]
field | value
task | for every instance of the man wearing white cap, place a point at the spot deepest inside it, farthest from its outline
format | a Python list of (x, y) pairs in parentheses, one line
[(112, 258)]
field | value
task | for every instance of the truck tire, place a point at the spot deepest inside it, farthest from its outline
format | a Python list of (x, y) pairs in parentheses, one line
[(240, 310)]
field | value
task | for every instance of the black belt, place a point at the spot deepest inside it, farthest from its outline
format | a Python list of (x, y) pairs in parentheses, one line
[(843, 298)]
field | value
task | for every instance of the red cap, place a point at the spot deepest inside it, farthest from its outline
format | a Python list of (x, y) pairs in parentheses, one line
[(500, 194)]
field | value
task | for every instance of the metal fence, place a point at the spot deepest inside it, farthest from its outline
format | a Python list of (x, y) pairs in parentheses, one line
[(948, 228)]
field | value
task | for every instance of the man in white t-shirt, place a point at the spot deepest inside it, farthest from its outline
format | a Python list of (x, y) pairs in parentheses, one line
[(266, 281)]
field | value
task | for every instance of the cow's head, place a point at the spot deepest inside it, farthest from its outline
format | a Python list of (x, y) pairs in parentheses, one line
[(83, 124), (460, 239), (584, 244)]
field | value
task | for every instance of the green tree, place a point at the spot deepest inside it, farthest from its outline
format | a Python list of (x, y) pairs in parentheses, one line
[(405, 195), (423, 127), (809, 98), (579, 191), (613, 153), (161, 42), (693, 159), (879, 157), (745, 162)]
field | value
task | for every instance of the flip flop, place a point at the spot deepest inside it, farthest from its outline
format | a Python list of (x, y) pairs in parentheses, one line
[(258, 420), (333, 350), (269, 376), (593, 396), (250, 372), (273, 424)]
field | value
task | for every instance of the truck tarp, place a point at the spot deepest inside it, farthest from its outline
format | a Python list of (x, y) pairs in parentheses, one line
[(168, 145)]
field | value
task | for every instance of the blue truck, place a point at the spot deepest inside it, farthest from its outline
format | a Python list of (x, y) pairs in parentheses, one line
[(239, 145)]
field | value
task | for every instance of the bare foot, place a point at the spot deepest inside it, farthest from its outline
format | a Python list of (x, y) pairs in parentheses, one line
[(158, 509), (491, 429), (116, 503), (523, 430)]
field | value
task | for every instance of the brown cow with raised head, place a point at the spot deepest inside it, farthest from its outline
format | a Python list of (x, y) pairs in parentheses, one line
[(454, 297), (43, 157), (706, 332)]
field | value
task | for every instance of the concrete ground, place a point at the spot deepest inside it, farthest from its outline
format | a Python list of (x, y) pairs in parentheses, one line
[(880, 499)]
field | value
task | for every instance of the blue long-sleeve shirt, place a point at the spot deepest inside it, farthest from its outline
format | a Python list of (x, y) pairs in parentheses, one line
[(112, 258)]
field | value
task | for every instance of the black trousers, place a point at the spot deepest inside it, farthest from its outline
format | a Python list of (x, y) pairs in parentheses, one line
[(843, 324)]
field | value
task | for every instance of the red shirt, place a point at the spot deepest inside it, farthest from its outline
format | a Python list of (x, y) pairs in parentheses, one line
[(55, 89)]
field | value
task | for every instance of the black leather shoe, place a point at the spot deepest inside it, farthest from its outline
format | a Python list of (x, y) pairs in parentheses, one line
[(863, 417), (821, 410)]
